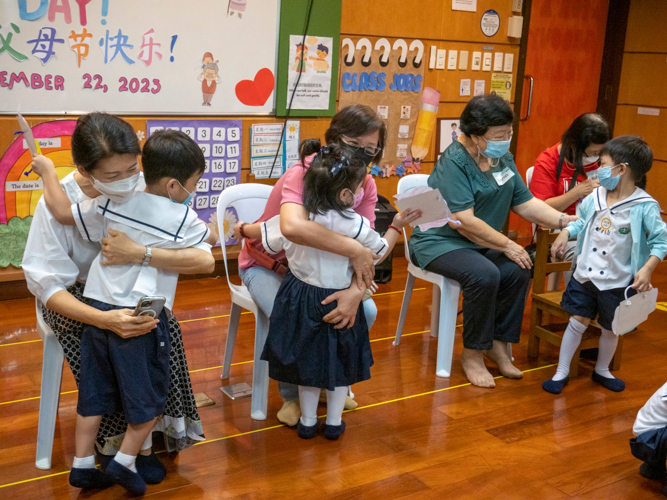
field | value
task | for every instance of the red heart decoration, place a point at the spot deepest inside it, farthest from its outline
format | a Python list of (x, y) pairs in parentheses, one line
[(256, 92)]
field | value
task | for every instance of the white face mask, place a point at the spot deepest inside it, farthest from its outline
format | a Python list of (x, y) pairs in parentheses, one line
[(117, 191), (587, 160)]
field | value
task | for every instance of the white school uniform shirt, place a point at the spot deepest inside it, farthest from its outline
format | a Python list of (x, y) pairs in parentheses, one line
[(318, 267), (653, 415), (56, 256), (606, 253), (149, 220)]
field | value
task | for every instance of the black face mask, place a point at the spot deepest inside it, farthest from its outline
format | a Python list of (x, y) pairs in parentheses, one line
[(360, 153)]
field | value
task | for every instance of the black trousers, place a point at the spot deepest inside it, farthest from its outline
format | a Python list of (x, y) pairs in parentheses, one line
[(494, 294)]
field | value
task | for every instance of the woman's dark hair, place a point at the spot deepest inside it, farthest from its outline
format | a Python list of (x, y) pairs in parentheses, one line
[(171, 153), (98, 136), (321, 186), (586, 129), (634, 152), (354, 121), (484, 111)]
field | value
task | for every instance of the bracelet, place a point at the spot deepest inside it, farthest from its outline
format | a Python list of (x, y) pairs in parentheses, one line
[(242, 231), (147, 256), (395, 229), (560, 221)]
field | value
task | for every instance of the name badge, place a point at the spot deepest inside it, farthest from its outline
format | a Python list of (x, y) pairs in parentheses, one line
[(504, 176)]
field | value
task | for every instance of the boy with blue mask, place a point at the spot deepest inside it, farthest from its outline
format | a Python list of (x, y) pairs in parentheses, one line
[(621, 239), (129, 374)]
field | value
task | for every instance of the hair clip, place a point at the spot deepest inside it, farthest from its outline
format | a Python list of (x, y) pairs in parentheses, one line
[(340, 163)]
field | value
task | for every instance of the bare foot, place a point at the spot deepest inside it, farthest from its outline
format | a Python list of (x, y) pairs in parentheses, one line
[(475, 370), (500, 356)]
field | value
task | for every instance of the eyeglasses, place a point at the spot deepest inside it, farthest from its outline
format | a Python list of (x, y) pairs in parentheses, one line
[(370, 150)]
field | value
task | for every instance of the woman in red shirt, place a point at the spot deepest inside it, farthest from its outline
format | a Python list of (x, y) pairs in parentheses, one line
[(560, 176)]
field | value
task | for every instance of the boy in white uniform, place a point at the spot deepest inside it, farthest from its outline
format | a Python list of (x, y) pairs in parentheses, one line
[(131, 374)]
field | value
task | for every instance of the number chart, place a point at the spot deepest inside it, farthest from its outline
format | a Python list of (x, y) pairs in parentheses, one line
[(220, 141)]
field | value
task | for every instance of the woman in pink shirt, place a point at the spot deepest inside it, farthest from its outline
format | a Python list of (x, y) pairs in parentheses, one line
[(363, 131)]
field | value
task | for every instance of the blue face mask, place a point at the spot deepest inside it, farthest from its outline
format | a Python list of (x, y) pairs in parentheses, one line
[(188, 199), (606, 180), (495, 149)]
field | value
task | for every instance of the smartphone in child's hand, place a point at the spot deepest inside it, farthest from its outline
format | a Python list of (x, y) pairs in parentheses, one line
[(149, 306)]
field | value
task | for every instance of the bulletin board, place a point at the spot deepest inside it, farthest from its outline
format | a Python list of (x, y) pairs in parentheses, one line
[(220, 141), (138, 57)]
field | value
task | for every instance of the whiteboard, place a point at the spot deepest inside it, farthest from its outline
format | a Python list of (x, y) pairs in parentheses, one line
[(41, 72)]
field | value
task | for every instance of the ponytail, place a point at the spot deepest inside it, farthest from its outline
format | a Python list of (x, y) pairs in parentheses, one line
[(309, 147)]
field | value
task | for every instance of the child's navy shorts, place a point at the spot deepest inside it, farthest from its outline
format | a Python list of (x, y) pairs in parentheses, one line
[(129, 375), (586, 300)]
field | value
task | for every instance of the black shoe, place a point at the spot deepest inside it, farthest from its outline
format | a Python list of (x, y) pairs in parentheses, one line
[(104, 461), (333, 432), (129, 480), (613, 384), (150, 468), (306, 432), (555, 386), (651, 472), (88, 479)]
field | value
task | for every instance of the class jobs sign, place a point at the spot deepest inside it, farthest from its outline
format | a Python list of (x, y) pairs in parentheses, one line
[(132, 56), (220, 141)]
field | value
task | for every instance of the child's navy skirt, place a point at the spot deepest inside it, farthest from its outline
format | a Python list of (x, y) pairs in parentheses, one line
[(304, 350)]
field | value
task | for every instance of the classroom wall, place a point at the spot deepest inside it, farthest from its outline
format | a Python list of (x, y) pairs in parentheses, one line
[(643, 78)]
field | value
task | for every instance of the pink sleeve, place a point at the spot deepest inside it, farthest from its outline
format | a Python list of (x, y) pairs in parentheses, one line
[(367, 206), (292, 191)]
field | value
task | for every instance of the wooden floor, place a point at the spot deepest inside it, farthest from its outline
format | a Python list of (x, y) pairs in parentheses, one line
[(413, 435)]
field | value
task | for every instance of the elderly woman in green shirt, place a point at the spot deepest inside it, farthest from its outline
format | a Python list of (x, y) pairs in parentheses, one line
[(478, 178)]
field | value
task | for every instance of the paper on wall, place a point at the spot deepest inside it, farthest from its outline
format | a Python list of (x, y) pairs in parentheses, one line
[(433, 206)]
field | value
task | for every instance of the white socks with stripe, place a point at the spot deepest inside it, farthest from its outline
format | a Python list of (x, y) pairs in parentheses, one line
[(569, 345)]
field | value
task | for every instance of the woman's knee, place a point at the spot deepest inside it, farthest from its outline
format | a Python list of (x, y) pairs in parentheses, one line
[(486, 278)]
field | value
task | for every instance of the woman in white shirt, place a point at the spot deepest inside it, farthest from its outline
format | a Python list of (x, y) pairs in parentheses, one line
[(56, 264)]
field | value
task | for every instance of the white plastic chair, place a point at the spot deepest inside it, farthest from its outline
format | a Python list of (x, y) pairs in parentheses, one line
[(445, 300), (52, 372), (249, 201)]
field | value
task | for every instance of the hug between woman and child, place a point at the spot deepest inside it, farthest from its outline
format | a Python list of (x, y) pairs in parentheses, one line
[(621, 238)]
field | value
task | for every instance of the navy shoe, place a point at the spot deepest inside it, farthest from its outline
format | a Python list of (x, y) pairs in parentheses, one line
[(88, 479), (306, 432), (613, 384), (104, 461), (150, 468), (129, 480), (333, 432), (555, 386), (651, 472)]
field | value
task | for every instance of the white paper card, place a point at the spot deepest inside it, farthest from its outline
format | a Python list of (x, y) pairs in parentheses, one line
[(509, 63), (486, 62), (476, 61), (463, 60), (429, 201), (648, 111), (498, 61), (504, 176), (451, 61), (432, 57), (442, 57), (632, 312), (466, 5), (403, 131), (479, 87), (464, 89)]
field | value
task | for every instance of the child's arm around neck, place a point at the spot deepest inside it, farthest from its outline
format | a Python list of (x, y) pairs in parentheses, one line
[(55, 197)]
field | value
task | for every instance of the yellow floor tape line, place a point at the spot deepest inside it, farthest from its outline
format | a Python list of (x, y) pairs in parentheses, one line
[(662, 306), (214, 440)]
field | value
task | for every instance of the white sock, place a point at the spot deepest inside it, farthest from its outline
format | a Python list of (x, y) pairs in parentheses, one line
[(309, 398), (336, 405), (608, 343), (571, 341), (148, 444), (126, 461), (84, 463)]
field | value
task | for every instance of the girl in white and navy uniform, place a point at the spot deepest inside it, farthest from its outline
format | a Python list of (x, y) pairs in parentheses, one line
[(621, 239), (301, 348)]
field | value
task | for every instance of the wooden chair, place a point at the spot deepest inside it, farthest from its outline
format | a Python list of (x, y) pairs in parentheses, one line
[(546, 314)]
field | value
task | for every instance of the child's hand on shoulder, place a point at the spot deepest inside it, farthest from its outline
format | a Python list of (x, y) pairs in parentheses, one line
[(407, 217), (642, 281), (42, 165), (558, 246)]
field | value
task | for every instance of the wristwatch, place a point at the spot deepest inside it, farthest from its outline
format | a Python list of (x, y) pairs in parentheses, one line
[(147, 256)]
